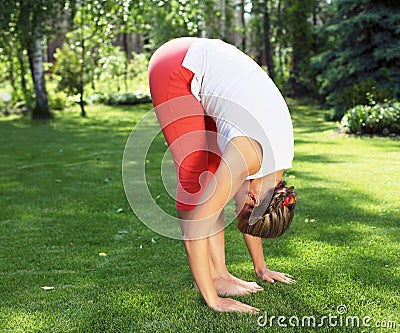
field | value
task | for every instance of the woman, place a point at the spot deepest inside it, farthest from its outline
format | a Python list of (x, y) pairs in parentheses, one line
[(230, 135)]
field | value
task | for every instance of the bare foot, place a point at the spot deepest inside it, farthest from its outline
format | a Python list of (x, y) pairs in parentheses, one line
[(251, 286), (232, 286), (228, 288)]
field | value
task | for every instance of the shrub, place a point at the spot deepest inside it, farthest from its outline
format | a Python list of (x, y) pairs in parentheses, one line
[(364, 93), (57, 100), (97, 98), (128, 98), (381, 118), (68, 69)]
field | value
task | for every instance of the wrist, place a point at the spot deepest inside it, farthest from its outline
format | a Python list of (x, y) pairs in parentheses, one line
[(260, 269)]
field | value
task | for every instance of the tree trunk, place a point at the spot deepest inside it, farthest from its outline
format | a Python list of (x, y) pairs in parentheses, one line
[(41, 109), (242, 18), (23, 71), (223, 16), (12, 71), (280, 40), (128, 57), (81, 87), (267, 43)]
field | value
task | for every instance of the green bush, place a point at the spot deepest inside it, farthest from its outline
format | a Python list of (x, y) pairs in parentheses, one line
[(57, 100), (97, 98), (68, 69), (381, 118), (364, 93), (128, 98)]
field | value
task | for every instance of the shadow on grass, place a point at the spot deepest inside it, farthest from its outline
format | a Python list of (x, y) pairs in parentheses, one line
[(61, 182)]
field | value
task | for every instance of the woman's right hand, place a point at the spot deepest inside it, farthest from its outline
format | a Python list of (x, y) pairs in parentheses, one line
[(230, 305)]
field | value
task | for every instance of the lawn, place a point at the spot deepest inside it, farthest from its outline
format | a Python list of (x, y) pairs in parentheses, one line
[(62, 202)]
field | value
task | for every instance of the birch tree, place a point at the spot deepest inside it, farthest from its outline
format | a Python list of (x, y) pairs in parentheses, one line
[(31, 21)]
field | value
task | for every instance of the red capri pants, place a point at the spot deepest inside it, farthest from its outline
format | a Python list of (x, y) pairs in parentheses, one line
[(190, 134)]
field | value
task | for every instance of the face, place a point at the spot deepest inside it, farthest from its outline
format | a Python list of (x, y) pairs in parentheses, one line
[(244, 201), (254, 194)]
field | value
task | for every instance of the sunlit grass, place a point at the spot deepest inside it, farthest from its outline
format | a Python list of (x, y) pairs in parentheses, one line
[(61, 199)]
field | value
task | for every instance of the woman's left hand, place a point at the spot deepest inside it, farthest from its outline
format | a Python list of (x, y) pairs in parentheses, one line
[(272, 277)]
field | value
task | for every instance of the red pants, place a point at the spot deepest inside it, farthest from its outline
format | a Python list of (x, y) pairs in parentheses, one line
[(190, 134)]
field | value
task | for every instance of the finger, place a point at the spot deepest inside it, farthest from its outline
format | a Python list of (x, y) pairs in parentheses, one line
[(282, 278), (268, 279), (288, 275), (252, 311), (245, 308), (240, 304), (287, 280)]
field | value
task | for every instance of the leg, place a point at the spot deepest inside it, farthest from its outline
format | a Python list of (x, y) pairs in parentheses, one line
[(225, 282)]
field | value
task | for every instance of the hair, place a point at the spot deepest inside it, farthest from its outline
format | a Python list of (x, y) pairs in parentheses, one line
[(276, 218)]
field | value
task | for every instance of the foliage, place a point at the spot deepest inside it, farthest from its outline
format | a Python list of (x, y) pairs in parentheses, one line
[(132, 98), (336, 51), (24, 24), (57, 100), (381, 118), (299, 28), (67, 68), (160, 21), (362, 53)]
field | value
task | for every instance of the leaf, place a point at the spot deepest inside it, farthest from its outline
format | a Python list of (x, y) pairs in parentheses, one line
[(102, 254), (47, 288)]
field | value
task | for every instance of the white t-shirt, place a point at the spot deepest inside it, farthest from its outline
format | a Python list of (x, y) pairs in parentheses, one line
[(243, 101)]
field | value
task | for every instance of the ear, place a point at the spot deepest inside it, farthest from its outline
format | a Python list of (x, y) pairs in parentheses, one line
[(255, 197)]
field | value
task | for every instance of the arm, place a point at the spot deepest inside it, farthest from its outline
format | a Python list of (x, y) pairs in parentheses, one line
[(254, 245), (240, 158)]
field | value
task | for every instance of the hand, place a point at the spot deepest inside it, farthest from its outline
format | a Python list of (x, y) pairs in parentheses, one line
[(272, 277), (231, 305)]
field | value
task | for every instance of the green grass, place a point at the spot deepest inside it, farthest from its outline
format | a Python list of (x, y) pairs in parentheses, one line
[(60, 192)]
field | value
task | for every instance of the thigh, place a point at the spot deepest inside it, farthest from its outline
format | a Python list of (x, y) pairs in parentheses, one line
[(181, 119), (214, 153)]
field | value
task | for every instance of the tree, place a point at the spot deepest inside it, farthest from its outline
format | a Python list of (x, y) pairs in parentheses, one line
[(267, 42), (31, 20), (297, 20), (362, 54), (256, 27)]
